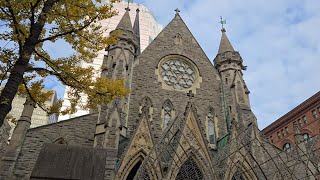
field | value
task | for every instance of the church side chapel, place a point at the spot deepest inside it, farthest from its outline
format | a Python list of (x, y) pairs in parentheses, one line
[(185, 118)]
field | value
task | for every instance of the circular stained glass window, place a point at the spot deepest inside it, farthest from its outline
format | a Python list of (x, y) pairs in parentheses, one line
[(177, 74)]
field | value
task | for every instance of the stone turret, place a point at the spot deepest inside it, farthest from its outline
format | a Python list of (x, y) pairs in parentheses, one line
[(118, 64), (227, 60), (229, 64), (121, 54), (136, 30)]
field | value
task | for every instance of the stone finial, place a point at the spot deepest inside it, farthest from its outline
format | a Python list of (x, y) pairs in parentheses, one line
[(225, 44)]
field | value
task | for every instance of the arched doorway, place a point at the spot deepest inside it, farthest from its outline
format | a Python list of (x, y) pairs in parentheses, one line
[(134, 171), (189, 171)]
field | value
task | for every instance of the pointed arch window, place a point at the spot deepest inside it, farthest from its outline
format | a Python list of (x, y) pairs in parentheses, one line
[(211, 128), (286, 147), (238, 176), (146, 105), (146, 102), (167, 113), (306, 137), (190, 171), (134, 171)]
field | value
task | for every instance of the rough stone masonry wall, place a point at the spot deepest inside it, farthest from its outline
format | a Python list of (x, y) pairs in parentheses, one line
[(4, 135), (145, 81), (76, 131)]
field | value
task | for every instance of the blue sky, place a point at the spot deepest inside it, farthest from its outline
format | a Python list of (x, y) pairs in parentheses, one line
[(279, 41)]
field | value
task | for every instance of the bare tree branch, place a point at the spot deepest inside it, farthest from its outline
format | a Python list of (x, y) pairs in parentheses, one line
[(70, 31), (31, 97), (15, 23)]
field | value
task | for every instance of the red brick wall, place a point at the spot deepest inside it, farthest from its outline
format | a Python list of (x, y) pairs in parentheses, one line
[(311, 126)]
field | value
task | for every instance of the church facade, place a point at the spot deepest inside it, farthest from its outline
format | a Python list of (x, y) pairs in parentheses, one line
[(185, 118)]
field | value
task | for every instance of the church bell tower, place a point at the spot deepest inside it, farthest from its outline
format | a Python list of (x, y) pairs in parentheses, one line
[(229, 64), (118, 64)]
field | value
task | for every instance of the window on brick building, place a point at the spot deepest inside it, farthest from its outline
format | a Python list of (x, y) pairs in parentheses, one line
[(304, 119), (287, 130), (278, 133), (299, 121), (282, 132), (315, 114), (306, 137), (286, 147)]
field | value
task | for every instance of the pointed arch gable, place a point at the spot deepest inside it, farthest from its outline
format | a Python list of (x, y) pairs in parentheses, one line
[(211, 109), (139, 146), (190, 171), (168, 103), (238, 169), (191, 157), (137, 159), (146, 102), (135, 165), (191, 142), (238, 175), (60, 140), (122, 56)]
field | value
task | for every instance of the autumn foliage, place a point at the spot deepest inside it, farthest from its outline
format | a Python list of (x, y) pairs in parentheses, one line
[(25, 64)]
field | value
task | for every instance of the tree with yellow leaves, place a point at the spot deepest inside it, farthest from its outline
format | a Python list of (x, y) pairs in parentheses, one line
[(31, 23)]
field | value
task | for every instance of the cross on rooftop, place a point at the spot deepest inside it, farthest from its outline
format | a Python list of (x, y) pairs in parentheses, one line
[(190, 95), (177, 11), (127, 8), (222, 22)]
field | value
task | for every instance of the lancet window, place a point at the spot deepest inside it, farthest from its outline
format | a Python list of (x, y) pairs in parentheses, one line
[(190, 171), (211, 128), (238, 176), (167, 113)]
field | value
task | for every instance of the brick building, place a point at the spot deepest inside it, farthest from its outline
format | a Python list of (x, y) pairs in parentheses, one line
[(306, 116)]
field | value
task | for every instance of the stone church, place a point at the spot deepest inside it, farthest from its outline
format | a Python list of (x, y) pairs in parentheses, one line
[(185, 118)]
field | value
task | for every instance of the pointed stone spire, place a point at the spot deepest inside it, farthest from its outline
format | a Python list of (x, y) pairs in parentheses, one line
[(136, 30), (226, 54), (225, 44), (125, 22)]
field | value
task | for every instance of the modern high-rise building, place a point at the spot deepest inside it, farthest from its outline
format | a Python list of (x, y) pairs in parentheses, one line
[(39, 116), (149, 29)]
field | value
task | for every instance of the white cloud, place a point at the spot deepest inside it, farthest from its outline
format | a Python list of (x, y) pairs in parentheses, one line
[(278, 40)]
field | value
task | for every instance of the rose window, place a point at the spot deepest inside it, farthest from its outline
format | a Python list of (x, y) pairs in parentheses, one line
[(177, 74)]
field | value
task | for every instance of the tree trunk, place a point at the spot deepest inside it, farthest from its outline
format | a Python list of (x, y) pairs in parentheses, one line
[(20, 67), (11, 87)]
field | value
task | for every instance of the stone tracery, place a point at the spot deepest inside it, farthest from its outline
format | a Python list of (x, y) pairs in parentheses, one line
[(177, 74)]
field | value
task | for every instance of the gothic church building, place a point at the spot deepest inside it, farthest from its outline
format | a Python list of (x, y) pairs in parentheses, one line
[(185, 118)]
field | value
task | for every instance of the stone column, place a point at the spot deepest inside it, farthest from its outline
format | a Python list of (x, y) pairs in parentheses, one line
[(9, 158)]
